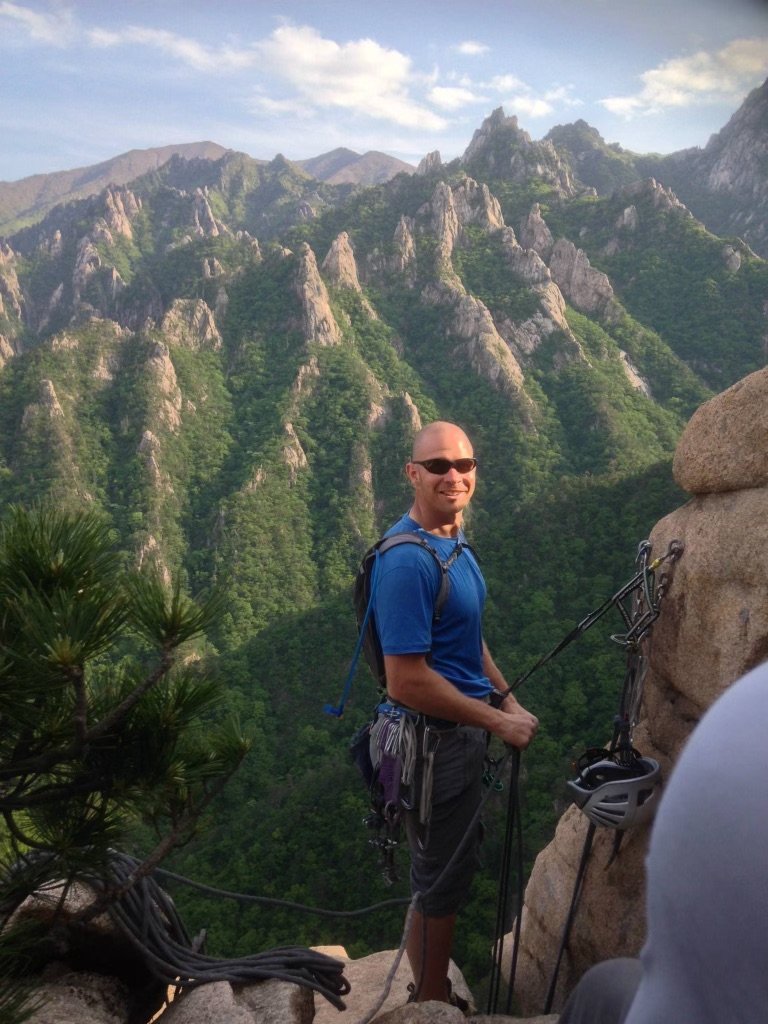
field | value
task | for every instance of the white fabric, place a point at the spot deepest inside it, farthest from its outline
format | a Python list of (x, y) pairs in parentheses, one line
[(705, 960)]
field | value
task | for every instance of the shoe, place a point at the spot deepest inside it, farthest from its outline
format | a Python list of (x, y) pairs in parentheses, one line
[(453, 998), (456, 1000)]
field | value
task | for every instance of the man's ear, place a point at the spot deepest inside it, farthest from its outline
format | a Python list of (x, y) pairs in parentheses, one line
[(411, 472)]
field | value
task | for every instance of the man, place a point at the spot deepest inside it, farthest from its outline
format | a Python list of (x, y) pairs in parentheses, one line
[(444, 671)]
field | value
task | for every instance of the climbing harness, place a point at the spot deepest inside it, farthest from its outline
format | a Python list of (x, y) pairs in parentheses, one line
[(393, 743)]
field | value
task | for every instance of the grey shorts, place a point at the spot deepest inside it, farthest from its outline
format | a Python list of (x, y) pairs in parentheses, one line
[(456, 795)]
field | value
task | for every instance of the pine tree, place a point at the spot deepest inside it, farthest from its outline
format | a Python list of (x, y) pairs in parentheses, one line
[(108, 717)]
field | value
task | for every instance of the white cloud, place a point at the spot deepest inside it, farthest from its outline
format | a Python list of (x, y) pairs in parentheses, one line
[(188, 51), (360, 76), (702, 77), (55, 29), (562, 94), (531, 106), (453, 97), (472, 49), (520, 98), (506, 83)]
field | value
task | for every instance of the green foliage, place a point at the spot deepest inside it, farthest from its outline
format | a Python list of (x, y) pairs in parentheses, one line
[(97, 730), (673, 276), (481, 263)]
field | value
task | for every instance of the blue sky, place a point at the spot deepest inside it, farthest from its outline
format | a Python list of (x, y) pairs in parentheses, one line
[(81, 82)]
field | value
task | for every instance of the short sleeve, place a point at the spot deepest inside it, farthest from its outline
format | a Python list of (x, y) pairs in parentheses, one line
[(404, 599)]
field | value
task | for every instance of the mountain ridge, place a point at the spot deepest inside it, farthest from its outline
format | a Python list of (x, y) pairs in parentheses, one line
[(26, 201)]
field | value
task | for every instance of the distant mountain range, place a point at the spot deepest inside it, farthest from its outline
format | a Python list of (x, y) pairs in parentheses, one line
[(26, 201), (725, 184)]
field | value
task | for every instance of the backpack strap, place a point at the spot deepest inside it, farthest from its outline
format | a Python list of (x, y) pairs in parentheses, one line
[(444, 588), (373, 555)]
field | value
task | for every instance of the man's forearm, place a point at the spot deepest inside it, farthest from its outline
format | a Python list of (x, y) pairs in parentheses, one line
[(410, 681)]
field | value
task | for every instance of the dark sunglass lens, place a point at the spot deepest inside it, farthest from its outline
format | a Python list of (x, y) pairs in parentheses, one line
[(437, 466), (442, 466)]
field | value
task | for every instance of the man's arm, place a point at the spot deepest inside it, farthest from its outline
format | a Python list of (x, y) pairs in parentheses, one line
[(499, 683), (410, 681)]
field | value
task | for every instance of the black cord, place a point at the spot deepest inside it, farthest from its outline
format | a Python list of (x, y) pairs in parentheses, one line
[(146, 917), (571, 913)]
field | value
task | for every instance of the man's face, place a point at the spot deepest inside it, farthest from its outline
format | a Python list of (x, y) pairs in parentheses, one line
[(442, 495)]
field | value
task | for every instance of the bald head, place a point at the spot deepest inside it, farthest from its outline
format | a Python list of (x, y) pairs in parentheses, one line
[(437, 438)]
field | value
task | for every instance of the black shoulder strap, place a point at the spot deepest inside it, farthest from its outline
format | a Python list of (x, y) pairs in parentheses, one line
[(413, 538)]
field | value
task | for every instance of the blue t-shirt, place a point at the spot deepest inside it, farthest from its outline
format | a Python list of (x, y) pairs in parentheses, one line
[(407, 583)]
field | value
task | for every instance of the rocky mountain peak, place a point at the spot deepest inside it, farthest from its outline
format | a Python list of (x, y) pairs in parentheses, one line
[(339, 265), (494, 125), (501, 149), (318, 322), (430, 163)]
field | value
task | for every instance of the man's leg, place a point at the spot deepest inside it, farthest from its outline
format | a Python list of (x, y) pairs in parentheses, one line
[(430, 971), (456, 798)]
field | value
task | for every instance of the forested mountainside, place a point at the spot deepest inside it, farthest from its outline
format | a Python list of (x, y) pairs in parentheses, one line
[(724, 183), (229, 359)]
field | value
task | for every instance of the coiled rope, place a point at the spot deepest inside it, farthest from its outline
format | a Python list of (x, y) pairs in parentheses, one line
[(148, 918)]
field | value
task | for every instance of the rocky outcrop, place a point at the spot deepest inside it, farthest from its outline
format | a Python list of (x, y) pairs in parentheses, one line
[(162, 374), (661, 198), (525, 337), (12, 302), (204, 222), (93, 973), (340, 269), (453, 208), (268, 1002), (713, 628), (430, 164), (87, 263), (339, 265), (7, 350), (404, 257), (500, 148), (483, 346), (83, 996), (292, 454), (589, 290), (731, 169), (47, 405), (633, 375), (121, 207), (534, 233), (724, 447), (318, 324), (189, 323)]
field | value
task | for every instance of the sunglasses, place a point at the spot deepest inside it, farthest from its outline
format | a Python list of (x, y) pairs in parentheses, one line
[(441, 466)]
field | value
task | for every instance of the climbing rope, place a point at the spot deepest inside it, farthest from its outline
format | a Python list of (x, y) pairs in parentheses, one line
[(148, 918)]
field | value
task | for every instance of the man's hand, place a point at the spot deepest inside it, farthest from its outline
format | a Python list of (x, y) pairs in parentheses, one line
[(518, 726)]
